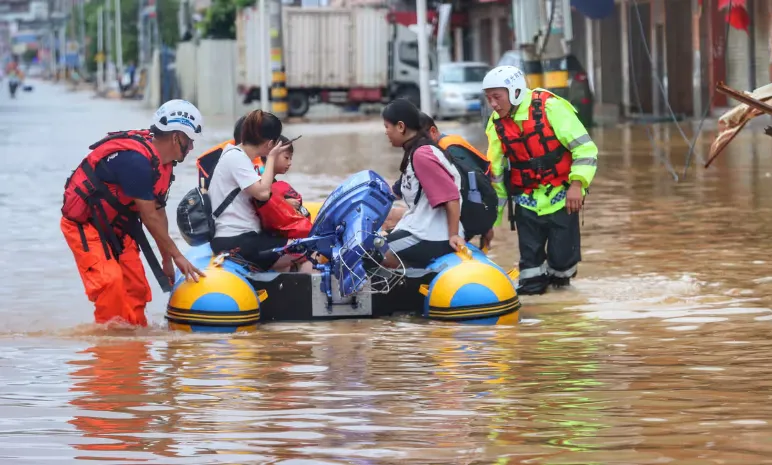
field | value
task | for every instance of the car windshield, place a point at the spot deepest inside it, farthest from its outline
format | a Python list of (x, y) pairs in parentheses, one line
[(460, 74)]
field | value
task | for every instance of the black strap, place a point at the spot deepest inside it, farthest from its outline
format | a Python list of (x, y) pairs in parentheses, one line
[(420, 188), (545, 163), (98, 220), (235, 192), (511, 212), (83, 240), (138, 234), (228, 200)]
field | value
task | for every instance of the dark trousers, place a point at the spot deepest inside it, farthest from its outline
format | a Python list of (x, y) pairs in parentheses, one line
[(550, 248)]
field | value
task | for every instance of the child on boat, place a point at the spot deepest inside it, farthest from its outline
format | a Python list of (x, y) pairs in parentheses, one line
[(284, 213)]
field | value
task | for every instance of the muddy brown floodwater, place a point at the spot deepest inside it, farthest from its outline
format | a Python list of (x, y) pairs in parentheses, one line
[(658, 354)]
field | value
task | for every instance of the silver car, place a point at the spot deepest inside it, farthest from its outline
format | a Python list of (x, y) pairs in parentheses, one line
[(457, 90)]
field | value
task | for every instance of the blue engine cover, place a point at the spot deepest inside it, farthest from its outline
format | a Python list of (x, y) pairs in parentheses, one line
[(363, 196), (354, 212)]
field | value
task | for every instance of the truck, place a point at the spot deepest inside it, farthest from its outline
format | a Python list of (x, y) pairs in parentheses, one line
[(341, 56)]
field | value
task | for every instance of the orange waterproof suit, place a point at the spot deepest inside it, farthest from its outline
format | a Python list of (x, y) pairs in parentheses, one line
[(101, 226)]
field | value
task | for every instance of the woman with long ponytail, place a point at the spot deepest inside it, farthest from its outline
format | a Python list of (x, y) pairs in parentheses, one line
[(430, 186)]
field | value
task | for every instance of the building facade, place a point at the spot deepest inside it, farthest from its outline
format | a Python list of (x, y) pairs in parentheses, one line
[(639, 53)]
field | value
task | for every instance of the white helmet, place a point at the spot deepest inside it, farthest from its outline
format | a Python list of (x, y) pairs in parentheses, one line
[(508, 77), (179, 115)]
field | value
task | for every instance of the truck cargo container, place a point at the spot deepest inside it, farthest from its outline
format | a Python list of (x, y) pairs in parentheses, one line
[(341, 56)]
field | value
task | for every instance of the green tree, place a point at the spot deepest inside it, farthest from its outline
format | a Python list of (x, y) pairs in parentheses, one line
[(220, 19), (167, 25)]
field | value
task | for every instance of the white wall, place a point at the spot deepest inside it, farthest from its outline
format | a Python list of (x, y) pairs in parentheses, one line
[(152, 94), (207, 76), (216, 78), (187, 70)]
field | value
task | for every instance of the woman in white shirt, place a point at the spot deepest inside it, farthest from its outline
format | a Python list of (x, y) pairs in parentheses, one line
[(238, 227)]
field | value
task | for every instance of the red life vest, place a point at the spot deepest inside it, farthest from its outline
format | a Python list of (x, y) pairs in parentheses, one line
[(536, 157), (87, 199), (278, 216)]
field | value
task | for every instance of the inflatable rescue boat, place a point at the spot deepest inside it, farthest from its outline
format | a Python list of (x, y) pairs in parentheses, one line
[(345, 247)]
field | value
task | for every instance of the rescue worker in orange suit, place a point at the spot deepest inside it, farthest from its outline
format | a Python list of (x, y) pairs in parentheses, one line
[(120, 186), (547, 160)]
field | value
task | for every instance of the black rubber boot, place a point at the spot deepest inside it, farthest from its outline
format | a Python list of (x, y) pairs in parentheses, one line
[(533, 286), (558, 283), (561, 281)]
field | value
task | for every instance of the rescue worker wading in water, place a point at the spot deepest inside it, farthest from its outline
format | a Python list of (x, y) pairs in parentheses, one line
[(547, 160), (120, 186)]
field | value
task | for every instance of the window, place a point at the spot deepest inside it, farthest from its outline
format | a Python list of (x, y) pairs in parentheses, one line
[(460, 74), (408, 53)]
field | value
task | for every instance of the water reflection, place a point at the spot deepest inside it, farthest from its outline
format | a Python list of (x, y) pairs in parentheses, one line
[(563, 390), (657, 354), (114, 400)]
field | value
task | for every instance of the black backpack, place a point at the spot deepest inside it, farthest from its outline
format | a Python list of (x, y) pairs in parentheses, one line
[(480, 205), (195, 218)]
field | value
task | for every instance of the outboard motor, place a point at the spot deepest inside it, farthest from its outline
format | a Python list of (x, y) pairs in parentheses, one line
[(353, 213)]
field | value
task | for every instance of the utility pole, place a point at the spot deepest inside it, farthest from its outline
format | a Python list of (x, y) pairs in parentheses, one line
[(118, 38), (159, 45), (141, 33), (423, 58), (110, 79), (265, 61), (279, 86), (50, 40), (750, 7), (62, 49), (157, 42), (100, 50), (697, 60), (82, 38)]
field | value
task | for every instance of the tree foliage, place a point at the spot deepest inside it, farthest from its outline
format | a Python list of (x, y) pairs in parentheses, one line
[(166, 11), (220, 19)]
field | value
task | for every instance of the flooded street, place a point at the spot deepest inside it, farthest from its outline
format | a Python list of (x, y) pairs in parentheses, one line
[(658, 354)]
